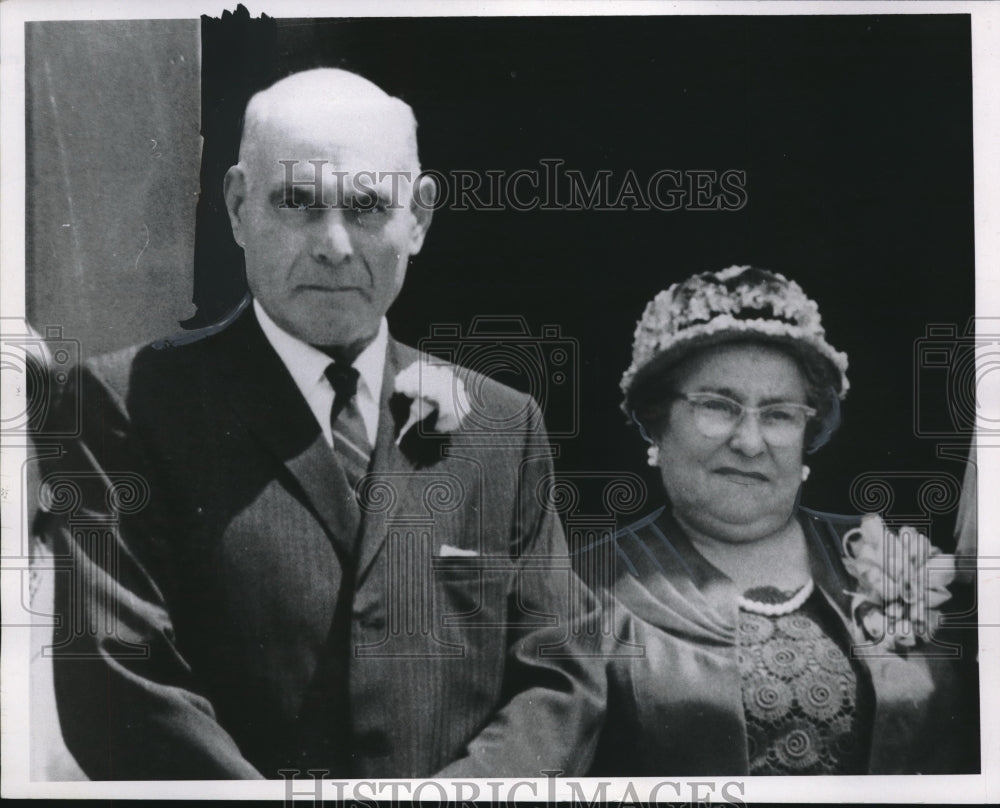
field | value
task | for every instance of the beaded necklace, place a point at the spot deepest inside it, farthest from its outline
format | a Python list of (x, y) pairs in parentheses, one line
[(777, 609)]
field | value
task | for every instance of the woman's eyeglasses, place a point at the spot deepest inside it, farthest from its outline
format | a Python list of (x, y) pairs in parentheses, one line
[(717, 416)]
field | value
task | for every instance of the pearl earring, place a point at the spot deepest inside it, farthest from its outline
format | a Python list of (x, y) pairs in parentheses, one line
[(805, 473), (653, 456)]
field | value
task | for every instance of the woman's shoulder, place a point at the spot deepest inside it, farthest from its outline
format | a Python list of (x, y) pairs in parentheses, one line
[(654, 543), (656, 536), (839, 521), (832, 524), (829, 528), (649, 566), (626, 550)]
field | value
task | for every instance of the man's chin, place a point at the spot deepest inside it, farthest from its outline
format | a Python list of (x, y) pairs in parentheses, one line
[(334, 329), (351, 340)]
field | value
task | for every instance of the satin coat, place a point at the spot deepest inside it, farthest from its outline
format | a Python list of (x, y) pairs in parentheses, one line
[(675, 699)]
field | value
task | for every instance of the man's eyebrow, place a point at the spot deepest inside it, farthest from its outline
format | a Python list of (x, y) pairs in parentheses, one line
[(305, 193), (368, 197), (366, 191), (293, 195)]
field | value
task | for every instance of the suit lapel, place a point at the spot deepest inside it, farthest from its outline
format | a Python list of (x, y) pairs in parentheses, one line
[(265, 397), (388, 462)]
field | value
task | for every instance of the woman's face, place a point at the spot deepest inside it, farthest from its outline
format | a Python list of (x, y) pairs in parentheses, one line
[(738, 487)]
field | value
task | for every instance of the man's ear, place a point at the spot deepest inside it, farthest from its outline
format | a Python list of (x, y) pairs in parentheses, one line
[(422, 207), (234, 187)]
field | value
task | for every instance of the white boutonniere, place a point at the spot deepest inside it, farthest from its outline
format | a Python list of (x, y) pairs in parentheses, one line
[(432, 389), (902, 582)]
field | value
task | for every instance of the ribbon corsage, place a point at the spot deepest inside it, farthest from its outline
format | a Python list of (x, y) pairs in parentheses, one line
[(902, 582)]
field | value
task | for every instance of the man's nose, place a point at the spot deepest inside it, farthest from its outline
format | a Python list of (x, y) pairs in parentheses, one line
[(747, 437), (332, 244)]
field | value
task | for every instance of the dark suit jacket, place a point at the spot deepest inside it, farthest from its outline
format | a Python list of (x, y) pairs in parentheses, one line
[(227, 613), (675, 703)]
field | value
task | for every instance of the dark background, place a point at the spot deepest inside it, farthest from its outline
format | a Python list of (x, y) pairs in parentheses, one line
[(855, 133)]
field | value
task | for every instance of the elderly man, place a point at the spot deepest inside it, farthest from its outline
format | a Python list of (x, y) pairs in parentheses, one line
[(315, 554)]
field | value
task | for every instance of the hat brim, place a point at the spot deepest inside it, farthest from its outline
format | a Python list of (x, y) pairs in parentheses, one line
[(697, 340)]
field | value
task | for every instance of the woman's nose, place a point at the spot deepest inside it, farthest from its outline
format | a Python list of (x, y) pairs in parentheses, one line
[(747, 438)]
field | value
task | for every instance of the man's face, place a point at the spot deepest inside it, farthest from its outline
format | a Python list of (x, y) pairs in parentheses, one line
[(327, 273)]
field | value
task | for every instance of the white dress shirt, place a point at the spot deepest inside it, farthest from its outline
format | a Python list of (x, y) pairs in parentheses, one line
[(308, 368)]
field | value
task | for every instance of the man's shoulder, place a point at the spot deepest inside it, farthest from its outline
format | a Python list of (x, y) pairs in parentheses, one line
[(166, 359), (483, 393)]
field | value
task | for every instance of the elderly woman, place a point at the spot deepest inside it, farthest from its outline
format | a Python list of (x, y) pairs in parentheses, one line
[(754, 636)]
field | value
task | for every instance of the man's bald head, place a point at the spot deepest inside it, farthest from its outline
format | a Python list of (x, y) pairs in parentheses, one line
[(337, 104), (324, 203)]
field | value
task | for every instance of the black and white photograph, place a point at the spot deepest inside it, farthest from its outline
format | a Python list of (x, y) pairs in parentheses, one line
[(581, 402)]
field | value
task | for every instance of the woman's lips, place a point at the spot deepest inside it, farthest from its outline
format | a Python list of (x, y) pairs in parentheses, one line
[(740, 476)]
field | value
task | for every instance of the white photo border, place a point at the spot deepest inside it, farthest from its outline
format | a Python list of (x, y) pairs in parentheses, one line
[(983, 788)]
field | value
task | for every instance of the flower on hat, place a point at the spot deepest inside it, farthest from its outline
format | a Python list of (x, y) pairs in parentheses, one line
[(739, 300), (902, 582), (432, 389)]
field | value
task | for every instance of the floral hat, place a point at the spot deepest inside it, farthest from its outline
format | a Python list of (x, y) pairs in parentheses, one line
[(741, 302)]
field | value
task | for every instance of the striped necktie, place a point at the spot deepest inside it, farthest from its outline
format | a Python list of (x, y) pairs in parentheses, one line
[(350, 438)]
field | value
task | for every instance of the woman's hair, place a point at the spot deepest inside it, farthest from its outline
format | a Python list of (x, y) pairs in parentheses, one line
[(653, 395)]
